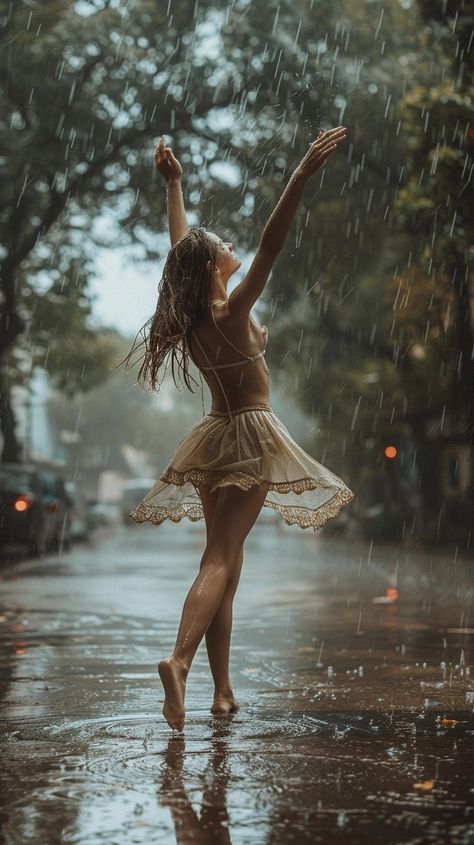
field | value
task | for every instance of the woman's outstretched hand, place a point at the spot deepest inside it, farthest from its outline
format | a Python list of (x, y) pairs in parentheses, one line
[(166, 163), (325, 144)]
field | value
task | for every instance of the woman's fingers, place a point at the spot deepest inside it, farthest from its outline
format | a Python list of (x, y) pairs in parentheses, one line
[(160, 146), (331, 135), (316, 153), (322, 156), (327, 145), (338, 130), (330, 142), (163, 155), (328, 152), (322, 147)]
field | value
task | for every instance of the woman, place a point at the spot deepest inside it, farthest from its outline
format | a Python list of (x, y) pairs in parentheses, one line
[(240, 456)]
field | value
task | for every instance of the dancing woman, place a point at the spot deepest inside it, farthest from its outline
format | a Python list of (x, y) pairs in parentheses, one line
[(239, 457)]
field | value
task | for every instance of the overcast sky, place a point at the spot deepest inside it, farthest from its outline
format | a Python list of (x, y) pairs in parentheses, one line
[(125, 294)]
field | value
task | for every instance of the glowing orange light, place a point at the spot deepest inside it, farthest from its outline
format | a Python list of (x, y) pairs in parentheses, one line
[(424, 784), (21, 505), (392, 593), (390, 452)]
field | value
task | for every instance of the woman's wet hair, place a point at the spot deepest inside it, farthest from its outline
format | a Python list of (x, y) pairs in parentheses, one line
[(184, 297)]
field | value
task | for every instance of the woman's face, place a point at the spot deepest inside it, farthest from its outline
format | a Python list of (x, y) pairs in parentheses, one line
[(226, 261)]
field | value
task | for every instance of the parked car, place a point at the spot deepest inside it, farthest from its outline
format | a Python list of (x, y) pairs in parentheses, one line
[(59, 505), (133, 492), (80, 522), (26, 516)]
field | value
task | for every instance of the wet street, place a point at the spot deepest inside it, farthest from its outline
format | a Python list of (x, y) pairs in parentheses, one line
[(356, 720)]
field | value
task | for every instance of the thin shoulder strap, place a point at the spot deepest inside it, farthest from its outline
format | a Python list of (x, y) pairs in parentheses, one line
[(247, 357), (214, 371)]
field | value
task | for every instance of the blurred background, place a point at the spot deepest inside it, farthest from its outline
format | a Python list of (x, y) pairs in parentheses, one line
[(369, 306)]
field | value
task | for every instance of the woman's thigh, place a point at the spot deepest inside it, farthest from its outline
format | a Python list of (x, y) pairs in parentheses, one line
[(209, 501), (229, 513), (234, 513)]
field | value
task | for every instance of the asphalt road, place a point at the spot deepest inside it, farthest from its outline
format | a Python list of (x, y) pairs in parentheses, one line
[(356, 719)]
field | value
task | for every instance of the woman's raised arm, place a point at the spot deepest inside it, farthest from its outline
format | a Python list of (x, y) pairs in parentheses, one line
[(171, 170), (279, 223)]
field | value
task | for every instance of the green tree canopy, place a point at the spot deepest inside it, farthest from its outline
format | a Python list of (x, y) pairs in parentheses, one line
[(90, 85)]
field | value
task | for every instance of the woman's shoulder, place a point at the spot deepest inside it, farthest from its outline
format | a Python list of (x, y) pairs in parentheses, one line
[(222, 312), (222, 316)]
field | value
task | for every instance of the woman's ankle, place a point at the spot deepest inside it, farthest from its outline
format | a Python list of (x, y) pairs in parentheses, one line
[(180, 663), (223, 692)]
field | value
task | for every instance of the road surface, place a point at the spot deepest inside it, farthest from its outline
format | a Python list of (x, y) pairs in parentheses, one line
[(356, 706)]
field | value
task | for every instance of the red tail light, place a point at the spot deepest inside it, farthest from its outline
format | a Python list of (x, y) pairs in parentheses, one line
[(22, 504)]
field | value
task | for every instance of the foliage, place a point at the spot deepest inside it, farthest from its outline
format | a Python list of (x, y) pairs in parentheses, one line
[(434, 309), (246, 86), (393, 345), (117, 414), (90, 86)]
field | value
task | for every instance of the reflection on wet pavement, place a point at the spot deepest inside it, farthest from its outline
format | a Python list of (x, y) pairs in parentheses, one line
[(356, 722)]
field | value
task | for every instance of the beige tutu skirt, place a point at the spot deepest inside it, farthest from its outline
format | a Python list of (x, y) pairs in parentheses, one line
[(252, 448)]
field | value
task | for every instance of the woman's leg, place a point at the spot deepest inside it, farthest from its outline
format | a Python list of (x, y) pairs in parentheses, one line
[(218, 637), (219, 633), (235, 508)]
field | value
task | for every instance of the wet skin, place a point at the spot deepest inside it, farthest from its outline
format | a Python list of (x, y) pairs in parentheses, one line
[(211, 593)]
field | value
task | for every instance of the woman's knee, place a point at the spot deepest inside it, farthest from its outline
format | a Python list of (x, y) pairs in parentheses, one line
[(235, 573), (219, 560), (234, 579), (222, 557)]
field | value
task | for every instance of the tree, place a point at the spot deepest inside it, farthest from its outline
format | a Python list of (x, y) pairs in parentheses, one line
[(117, 415), (376, 354), (433, 303), (89, 86)]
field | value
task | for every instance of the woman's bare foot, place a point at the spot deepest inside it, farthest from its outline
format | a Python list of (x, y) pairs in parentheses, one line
[(173, 678), (224, 703)]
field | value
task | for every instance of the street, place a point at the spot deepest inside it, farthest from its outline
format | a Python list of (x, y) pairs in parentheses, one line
[(350, 662)]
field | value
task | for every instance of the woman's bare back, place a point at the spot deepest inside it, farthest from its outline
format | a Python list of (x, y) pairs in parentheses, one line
[(246, 383)]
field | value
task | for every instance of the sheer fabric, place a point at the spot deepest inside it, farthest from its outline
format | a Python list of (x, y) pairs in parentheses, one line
[(250, 446)]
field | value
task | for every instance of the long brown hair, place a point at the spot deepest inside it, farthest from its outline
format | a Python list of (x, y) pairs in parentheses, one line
[(184, 297)]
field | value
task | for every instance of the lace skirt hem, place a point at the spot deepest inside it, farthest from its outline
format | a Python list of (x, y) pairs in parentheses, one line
[(291, 514), (253, 449), (239, 479)]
